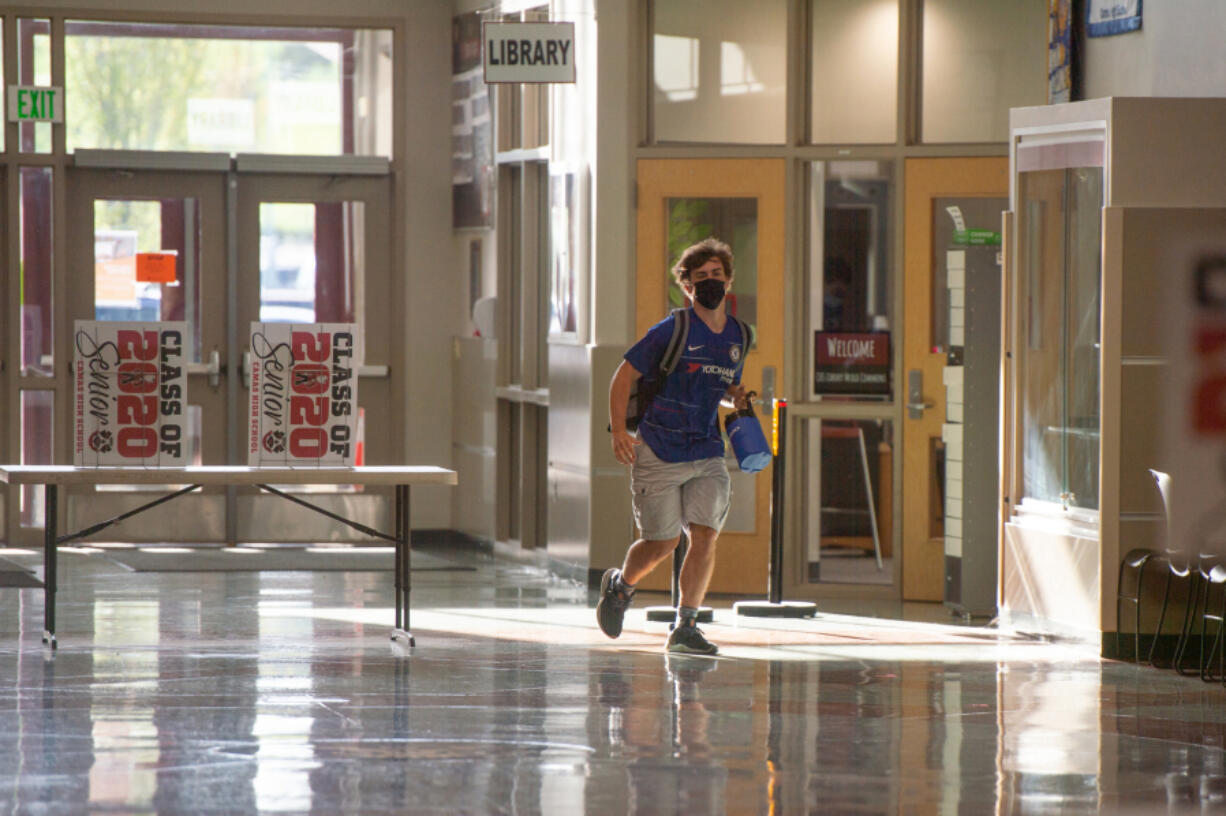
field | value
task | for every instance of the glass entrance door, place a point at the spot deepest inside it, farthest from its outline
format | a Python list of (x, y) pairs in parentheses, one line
[(113, 215), (298, 247), (316, 248)]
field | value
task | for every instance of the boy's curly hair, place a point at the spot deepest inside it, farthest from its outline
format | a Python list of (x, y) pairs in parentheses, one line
[(698, 254)]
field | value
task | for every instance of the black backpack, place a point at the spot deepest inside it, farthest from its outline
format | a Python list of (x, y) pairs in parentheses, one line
[(645, 388)]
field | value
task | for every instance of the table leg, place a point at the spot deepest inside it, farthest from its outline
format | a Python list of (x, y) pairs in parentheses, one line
[(403, 568), (398, 621), (50, 509)]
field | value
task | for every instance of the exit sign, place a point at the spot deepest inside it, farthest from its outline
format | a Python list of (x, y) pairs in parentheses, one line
[(30, 103)]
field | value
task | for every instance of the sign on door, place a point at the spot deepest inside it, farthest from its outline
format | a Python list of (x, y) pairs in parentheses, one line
[(130, 394), (304, 394)]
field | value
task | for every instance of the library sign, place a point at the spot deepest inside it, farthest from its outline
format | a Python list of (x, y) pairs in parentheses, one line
[(30, 103), (528, 52)]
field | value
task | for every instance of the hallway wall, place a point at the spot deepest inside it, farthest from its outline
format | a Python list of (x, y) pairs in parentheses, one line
[(1176, 52)]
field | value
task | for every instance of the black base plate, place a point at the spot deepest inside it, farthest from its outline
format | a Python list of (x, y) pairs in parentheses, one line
[(783, 609)]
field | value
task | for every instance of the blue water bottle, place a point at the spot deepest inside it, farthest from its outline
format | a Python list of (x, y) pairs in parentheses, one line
[(749, 444)]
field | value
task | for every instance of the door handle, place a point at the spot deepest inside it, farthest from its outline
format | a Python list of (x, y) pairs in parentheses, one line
[(768, 385), (212, 368), (915, 394)]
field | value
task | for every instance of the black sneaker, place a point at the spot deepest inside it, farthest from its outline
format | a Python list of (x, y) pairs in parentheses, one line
[(611, 607), (689, 639)]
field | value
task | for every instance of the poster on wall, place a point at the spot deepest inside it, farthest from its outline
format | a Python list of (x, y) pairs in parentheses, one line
[(130, 394), (1107, 17), (1059, 52), (851, 363), (303, 395), (472, 134)]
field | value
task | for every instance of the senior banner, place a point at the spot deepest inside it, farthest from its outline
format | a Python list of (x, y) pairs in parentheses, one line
[(304, 394), (130, 394)]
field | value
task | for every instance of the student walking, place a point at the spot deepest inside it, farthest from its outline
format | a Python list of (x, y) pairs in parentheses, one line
[(673, 441)]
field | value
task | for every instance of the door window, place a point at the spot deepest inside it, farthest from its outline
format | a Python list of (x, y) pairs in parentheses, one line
[(126, 233), (851, 281), (849, 492), (965, 230), (849, 460), (309, 261), (128, 286), (733, 221)]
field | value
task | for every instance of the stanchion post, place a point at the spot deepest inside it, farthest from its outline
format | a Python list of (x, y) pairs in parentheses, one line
[(775, 574), (775, 606)]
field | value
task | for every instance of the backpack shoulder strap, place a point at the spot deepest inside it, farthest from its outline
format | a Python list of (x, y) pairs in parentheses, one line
[(672, 352), (746, 338)]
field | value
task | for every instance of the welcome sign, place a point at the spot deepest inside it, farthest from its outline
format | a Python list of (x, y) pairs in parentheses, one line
[(130, 394), (851, 363), (304, 394)]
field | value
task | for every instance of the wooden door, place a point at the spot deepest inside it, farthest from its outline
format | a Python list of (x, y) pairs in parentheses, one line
[(739, 201), (930, 187)]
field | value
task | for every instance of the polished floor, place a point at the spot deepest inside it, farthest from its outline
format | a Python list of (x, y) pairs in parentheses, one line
[(279, 692)]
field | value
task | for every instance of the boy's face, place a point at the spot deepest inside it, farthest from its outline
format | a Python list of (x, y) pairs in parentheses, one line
[(713, 268)]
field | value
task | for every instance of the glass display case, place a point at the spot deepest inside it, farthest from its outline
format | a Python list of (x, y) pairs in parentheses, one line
[(1103, 192)]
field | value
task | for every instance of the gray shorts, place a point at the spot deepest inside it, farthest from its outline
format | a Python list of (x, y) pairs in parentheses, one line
[(669, 496)]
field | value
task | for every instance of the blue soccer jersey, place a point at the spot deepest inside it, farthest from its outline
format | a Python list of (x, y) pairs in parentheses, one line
[(682, 424)]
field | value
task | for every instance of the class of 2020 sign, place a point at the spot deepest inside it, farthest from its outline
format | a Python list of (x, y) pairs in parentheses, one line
[(304, 394), (130, 394)]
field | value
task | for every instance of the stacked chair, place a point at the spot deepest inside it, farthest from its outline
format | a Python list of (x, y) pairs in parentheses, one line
[(1171, 560), (1208, 597), (1203, 577)]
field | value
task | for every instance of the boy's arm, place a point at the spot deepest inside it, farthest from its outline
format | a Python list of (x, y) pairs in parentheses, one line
[(619, 395)]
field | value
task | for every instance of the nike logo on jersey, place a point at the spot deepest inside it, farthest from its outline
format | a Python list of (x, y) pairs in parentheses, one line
[(693, 348)]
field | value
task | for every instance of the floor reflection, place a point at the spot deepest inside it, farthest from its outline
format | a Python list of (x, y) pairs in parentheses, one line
[(245, 692)]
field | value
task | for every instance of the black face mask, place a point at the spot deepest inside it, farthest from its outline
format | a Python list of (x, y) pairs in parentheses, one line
[(709, 292)]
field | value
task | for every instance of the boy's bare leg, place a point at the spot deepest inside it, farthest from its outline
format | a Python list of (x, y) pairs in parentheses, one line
[(616, 590), (695, 576), (644, 555), (698, 566)]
